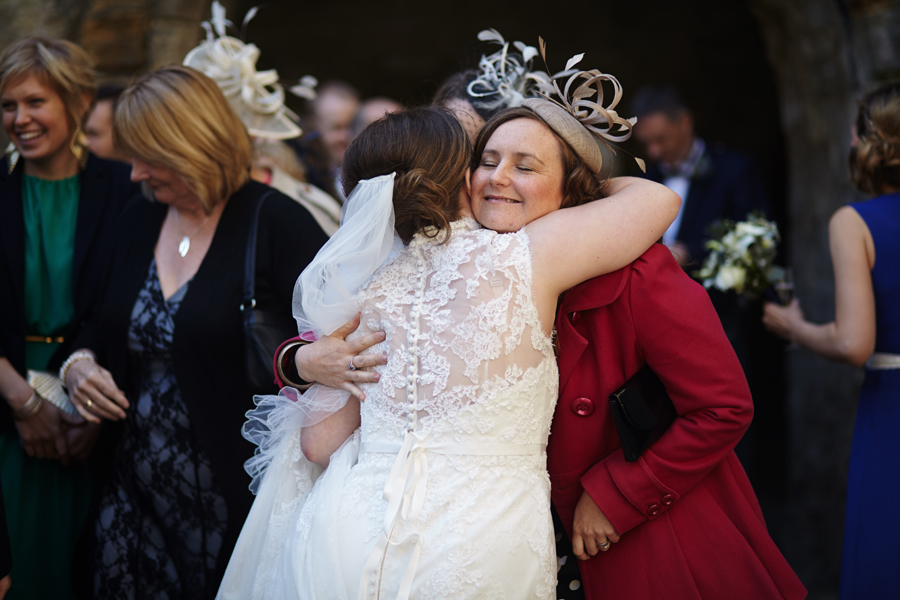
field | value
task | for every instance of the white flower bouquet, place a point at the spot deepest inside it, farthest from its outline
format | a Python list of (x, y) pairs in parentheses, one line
[(742, 256)]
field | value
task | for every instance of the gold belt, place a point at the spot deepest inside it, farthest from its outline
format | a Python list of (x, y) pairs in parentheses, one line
[(45, 339)]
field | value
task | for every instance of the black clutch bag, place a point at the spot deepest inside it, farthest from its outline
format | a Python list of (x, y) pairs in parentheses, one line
[(642, 411)]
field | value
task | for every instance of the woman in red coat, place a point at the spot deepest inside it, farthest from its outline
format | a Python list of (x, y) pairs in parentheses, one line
[(683, 521)]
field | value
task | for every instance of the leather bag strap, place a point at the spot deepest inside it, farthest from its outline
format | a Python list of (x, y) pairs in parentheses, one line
[(248, 301)]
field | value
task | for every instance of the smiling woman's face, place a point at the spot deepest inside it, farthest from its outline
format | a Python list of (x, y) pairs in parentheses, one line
[(35, 119), (519, 176)]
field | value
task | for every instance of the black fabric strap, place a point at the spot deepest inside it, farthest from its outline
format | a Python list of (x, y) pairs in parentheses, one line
[(249, 301)]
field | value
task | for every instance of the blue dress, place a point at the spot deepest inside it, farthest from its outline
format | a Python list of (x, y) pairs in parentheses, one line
[(870, 568)]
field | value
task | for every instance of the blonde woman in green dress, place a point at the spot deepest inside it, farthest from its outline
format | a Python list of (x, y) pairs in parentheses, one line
[(58, 206)]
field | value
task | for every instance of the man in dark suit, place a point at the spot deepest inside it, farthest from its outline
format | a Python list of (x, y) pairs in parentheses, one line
[(713, 182)]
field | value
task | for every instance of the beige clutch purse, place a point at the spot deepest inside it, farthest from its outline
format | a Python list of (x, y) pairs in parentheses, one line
[(51, 389)]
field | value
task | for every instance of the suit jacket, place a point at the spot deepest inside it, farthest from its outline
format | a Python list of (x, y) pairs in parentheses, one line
[(208, 343), (690, 523), (727, 185), (105, 189)]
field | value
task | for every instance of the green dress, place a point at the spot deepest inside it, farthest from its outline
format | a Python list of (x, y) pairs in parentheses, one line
[(46, 502)]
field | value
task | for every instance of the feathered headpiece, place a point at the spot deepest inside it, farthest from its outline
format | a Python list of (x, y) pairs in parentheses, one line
[(505, 79), (256, 96), (579, 114)]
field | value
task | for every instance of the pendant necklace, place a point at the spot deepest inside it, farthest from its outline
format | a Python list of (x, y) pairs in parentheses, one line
[(185, 245)]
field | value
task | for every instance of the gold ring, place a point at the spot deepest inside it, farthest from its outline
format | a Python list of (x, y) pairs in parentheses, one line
[(88, 403), (604, 545)]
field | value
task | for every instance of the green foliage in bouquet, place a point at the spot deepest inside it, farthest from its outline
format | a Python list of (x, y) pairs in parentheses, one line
[(742, 256)]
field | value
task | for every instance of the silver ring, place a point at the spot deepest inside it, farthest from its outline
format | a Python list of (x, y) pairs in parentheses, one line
[(352, 368), (604, 545)]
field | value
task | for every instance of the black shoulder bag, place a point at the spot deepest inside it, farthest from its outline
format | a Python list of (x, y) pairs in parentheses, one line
[(264, 331), (642, 411)]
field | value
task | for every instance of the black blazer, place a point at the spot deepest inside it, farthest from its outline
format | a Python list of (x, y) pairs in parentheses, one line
[(727, 185), (208, 342), (105, 189), (5, 552)]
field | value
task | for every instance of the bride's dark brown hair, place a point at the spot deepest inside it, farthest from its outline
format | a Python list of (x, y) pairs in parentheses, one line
[(429, 151)]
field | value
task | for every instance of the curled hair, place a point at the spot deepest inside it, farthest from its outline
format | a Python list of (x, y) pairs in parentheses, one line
[(64, 66), (579, 185), (268, 152), (177, 118), (430, 152), (875, 161)]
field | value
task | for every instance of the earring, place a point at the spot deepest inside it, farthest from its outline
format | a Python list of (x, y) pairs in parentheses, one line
[(12, 156), (78, 146)]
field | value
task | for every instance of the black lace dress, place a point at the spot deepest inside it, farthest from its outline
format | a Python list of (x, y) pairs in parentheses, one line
[(162, 518)]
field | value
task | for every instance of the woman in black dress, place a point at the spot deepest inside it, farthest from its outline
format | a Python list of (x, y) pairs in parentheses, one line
[(170, 338)]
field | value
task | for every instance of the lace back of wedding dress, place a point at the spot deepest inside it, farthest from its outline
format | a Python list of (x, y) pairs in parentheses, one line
[(461, 328), (443, 492)]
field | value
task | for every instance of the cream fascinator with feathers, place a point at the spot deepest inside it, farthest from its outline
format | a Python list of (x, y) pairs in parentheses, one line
[(505, 77), (256, 96), (581, 113)]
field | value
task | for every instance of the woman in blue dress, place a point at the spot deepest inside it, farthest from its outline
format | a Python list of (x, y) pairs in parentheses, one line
[(865, 250)]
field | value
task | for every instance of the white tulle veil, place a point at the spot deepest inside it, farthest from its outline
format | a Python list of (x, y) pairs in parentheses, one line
[(324, 296), (325, 299)]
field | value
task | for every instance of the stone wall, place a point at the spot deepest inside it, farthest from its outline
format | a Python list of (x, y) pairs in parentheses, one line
[(129, 36), (123, 36), (54, 18)]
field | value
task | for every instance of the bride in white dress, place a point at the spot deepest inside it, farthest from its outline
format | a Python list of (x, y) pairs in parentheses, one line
[(441, 489)]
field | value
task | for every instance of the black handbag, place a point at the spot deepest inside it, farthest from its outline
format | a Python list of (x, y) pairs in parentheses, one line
[(264, 330), (642, 411)]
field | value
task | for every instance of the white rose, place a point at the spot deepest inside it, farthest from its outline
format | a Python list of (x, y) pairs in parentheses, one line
[(730, 277), (744, 228)]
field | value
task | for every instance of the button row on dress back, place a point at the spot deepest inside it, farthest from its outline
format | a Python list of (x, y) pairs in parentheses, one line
[(412, 341)]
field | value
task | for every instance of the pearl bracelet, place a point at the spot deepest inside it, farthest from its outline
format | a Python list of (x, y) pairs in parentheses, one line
[(31, 407), (73, 358)]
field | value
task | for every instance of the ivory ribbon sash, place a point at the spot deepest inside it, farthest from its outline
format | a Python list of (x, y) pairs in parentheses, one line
[(405, 493)]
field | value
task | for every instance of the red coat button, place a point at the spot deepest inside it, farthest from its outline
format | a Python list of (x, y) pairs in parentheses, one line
[(653, 510), (667, 500), (583, 407)]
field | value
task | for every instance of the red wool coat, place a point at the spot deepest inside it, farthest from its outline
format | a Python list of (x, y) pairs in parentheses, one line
[(690, 524)]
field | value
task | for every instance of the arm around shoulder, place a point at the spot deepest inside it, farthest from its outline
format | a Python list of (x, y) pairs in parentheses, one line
[(605, 234)]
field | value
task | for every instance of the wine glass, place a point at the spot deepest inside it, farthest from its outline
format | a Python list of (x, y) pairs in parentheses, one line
[(785, 287)]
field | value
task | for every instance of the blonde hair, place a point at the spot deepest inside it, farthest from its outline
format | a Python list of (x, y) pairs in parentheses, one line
[(64, 66), (875, 162), (268, 152), (177, 118)]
